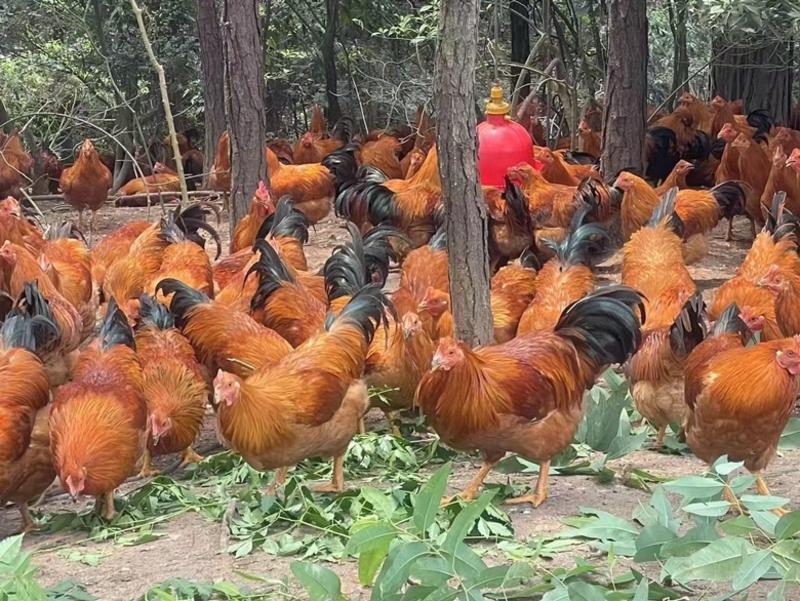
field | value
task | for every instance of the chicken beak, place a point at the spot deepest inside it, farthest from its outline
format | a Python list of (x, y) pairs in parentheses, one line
[(436, 363)]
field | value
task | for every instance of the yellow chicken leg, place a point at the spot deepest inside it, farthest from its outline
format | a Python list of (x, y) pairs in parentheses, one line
[(763, 489), (662, 432), (540, 494), (280, 479), (147, 471), (189, 455), (337, 481), (108, 512), (730, 497), (471, 491)]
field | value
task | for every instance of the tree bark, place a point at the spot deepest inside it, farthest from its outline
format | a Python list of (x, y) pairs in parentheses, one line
[(465, 209), (213, 67), (520, 43), (6, 124), (244, 102), (329, 60), (624, 112), (759, 71), (678, 10)]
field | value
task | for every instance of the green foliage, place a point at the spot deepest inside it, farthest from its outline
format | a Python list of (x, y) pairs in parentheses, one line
[(178, 589)]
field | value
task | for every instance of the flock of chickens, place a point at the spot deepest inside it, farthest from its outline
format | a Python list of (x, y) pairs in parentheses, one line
[(110, 355)]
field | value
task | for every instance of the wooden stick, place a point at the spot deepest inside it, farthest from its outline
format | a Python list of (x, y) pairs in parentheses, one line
[(162, 84)]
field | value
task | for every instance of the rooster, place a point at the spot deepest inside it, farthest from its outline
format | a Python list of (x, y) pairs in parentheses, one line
[(98, 421), (15, 165), (739, 398), (315, 144), (566, 277), (163, 179), (26, 466), (85, 185), (261, 207), (309, 403), (115, 245), (512, 289), (653, 264), (219, 178), (525, 396), (510, 226), (173, 385)]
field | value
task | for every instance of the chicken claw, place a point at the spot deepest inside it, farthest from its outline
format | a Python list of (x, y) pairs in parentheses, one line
[(337, 482), (147, 471), (280, 478), (27, 521), (471, 491), (763, 489), (189, 455), (730, 497), (540, 495), (106, 502)]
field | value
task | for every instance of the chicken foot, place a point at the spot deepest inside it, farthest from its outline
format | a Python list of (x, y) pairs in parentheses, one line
[(662, 432), (730, 497), (105, 506), (148, 471), (27, 520), (471, 491), (189, 455), (729, 234), (540, 494), (337, 481), (763, 490)]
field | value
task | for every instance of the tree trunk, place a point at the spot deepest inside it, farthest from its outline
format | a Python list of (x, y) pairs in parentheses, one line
[(626, 86), (329, 60), (213, 65), (6, 124), (680, 53), (244, 102), (520, 43), (465, 209), (758, 72)]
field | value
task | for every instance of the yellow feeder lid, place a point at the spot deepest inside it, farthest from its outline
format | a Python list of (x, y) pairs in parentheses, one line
[(497, 105)]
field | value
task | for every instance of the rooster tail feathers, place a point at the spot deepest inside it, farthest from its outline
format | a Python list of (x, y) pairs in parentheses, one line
[(272, 273), (184, 298), (689, 328), (30, 323), (573, 157), (153, 313), (604, 326), (345, 270), (439, 240), (343, 129), (699, 147), (662, 152), (731, 197), (664, 212), (730, 322), (286, 221), (589, 244), (115, 328), (366, 310), (379, 252), (529, 259), (516, 204), (343, 167), (179, 225), (780, 222)]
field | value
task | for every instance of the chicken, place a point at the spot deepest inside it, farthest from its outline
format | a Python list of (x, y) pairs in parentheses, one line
[(16, 227), (589, 141), (652, 263), (525, 396), (550, 205), (723, 114), (755, 164), (702, 114), (219, 178), (15, 165), (98, 423), (397, 357), (174, 385), (261, 207), (310, 403), (510, 227), (26, 466), (566, 277), (112, 247), (407, 204), (788, 180), (382, 153), (728, 168), (766, 286), (315, 144), (557, 170), (512, 290), (739, 399), (163, 179), (85, 185), (676, 177), (221, 338)]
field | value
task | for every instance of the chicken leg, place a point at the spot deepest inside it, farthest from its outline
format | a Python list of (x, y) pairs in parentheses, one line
[(189, 455), (106, 502), (729, 234), (763, 489), (280, 479), (730, 497), (337, 481), (662, 432), (147, 471), (471, 491), (91, 227), (539, 496), (80, 220), (27, 521)]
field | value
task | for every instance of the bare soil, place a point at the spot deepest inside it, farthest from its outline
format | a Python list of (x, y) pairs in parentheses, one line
[(192, 546)]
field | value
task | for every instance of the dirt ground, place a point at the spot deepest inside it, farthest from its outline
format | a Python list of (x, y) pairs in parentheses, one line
[(192, 546)]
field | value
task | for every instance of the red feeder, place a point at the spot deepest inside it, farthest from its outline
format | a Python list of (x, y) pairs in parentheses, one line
[(502, 143)]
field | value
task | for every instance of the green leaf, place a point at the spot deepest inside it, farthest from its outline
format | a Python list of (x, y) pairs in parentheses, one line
[(752, 569), (741, 525), (763, 502), (367, 537), (397, 567), (786, 555), (695, 487), (723, 467), (382, 503), (790, 438), (583, 591), (711, 509), (642, 591), (465, 519), (766, 520), (429, 498), (788, 525), (717, 562), (650, 541), (321, 583), (777, 593), (624, 444)]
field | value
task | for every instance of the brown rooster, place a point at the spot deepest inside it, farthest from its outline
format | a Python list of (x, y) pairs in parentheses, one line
[(85, 185)]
